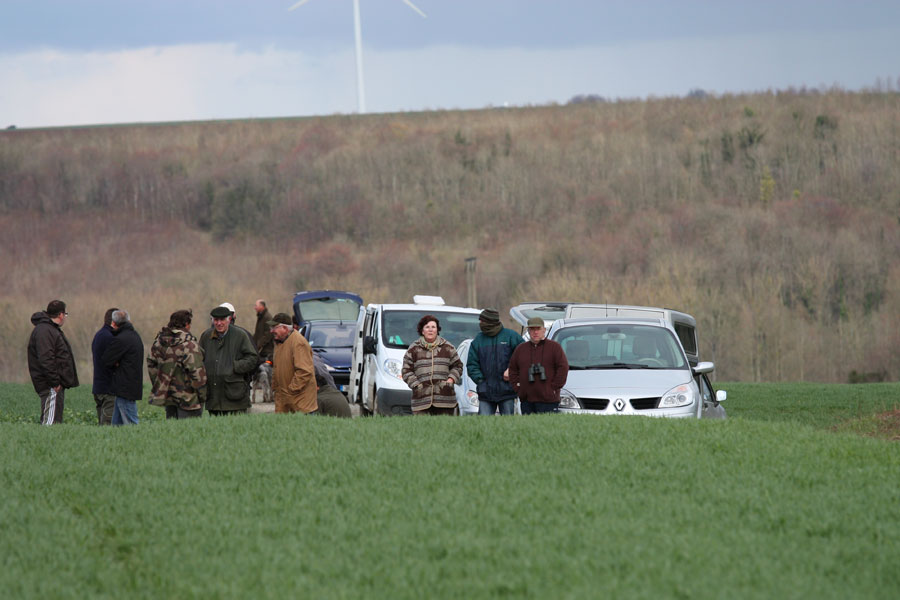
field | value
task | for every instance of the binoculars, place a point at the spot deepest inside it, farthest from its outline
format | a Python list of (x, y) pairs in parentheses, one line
[(536, 369)]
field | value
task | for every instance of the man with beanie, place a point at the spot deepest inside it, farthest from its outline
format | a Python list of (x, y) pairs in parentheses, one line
[(488, 364)]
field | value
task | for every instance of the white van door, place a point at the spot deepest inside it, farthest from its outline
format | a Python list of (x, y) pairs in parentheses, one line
[(357, 358)]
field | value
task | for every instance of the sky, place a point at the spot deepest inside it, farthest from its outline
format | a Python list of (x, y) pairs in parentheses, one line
[(84, 62)]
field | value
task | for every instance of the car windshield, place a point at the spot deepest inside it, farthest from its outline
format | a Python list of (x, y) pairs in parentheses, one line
[(399, 326), (328, 309), (619, 346), (331, 335)]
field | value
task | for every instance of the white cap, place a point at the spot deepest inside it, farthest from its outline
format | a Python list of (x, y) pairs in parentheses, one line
[(229, 306)]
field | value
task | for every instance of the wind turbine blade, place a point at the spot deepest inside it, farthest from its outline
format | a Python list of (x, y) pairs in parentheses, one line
[(409, 4), (298, 5)]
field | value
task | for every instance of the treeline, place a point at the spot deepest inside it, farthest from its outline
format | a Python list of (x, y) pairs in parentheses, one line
[(771, 217)]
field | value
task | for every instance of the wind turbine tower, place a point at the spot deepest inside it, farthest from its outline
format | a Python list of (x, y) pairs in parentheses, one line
[(357, 33)]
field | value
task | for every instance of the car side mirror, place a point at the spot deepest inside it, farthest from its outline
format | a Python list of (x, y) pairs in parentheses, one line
[(721, 395), (704, 367), (369, 345)]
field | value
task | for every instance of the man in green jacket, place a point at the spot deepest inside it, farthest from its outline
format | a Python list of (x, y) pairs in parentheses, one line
[(488, 364), (230, 360)]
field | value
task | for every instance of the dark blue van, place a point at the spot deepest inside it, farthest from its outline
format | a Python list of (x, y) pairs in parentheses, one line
[(327, 319)]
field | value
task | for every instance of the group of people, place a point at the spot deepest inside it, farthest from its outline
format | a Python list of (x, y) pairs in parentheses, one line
[(186, 373), (502, 365)]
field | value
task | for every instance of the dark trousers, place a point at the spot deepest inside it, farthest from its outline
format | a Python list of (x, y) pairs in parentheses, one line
[(533, 408), (224, 413), (52, 406), (437, 410), (176, 412), (105, 404)]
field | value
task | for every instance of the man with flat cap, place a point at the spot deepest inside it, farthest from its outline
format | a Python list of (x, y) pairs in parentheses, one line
[(538, 370), (488, 364), (230, 360), (293, 373)]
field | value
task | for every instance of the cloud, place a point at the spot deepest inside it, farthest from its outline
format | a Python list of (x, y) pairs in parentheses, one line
[(222, 81)]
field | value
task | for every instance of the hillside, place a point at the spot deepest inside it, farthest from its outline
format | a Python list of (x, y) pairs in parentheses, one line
[(773, 218)]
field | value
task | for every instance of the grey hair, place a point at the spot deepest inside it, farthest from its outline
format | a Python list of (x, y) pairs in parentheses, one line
[(119, 317)]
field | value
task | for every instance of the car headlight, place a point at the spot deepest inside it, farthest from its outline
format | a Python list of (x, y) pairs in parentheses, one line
[(392, 367), (677, 396), (329, 367), (567, 399)]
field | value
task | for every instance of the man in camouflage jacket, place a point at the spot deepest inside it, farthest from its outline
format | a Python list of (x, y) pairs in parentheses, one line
[(176, 369)]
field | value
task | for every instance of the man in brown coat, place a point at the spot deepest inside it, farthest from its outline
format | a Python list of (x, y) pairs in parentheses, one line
[(293, 374), (538, 370)]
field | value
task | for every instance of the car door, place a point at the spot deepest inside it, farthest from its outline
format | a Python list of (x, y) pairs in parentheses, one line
[(710, 406)]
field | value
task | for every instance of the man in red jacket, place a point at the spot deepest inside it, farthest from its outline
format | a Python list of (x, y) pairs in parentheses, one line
[(538, 370)]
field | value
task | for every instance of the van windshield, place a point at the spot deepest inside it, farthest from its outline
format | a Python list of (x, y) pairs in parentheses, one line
[(398, 327)]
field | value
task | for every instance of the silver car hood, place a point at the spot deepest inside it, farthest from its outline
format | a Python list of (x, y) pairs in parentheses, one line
[(638, 383)]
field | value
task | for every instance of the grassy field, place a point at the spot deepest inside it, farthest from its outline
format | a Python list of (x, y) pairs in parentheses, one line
[(784, 499)]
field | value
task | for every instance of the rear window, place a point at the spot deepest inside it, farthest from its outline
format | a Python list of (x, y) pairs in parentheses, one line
[(398, 328), (328, 309), (687, 335)]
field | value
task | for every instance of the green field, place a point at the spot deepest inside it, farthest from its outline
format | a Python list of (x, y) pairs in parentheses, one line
[(784, 500)]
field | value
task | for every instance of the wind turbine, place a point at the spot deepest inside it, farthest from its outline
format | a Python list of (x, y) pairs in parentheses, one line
[(357, 30)]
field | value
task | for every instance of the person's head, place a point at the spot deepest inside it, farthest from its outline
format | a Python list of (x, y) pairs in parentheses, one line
[(280, 326), (489, 321), (429, 327), (230, 308), (56, 310), (221, 318), (119, 317), (260, 306), (107, 318), (181, 319), (536, 330)]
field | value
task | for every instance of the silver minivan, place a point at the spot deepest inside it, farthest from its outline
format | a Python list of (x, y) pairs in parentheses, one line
[(632, 366)]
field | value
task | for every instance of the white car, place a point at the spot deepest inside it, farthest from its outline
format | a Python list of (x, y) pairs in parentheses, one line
[(632, 366)]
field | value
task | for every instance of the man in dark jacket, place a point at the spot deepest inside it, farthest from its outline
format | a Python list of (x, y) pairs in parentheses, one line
[(102, 389), (50, 361), (125, 358), (538, 370), (262, 335), (230, 360), (488, 364)]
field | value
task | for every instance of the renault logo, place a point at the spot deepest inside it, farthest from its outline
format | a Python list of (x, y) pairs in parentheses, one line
[(619, 404)]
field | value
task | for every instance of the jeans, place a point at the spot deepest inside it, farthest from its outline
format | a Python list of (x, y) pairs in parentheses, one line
[(124, 412), (533, 408), (486, 407)]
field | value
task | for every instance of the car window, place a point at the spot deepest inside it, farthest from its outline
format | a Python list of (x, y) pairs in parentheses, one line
[(331, 335), (688, 337), (598, 346), (399, 326), (706, 391), (328, 309)]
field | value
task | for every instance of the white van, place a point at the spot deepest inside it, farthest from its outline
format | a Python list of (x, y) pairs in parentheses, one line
[(384, 333)]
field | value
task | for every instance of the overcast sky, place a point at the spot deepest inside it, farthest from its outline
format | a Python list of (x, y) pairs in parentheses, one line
[(78, 62)]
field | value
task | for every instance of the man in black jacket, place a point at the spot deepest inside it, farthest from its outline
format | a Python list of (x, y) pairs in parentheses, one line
[(50, 361), (125, 358)]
